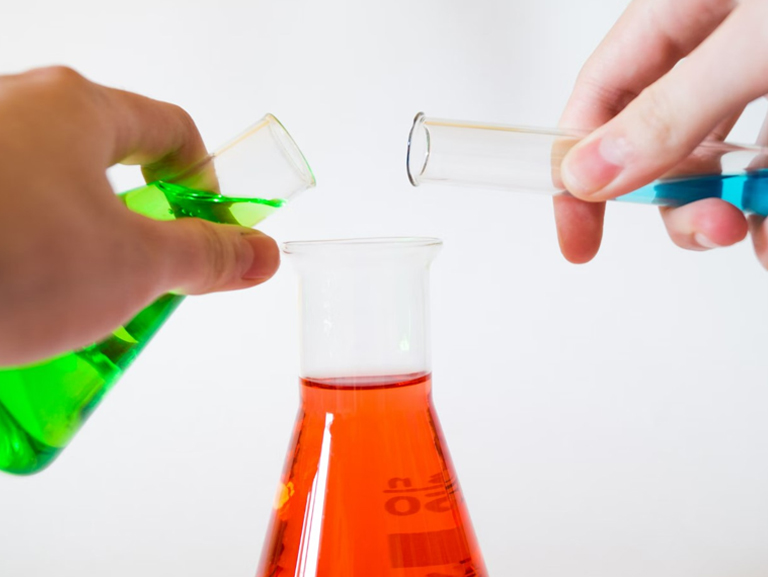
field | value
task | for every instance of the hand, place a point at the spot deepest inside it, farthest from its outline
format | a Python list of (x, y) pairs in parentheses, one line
[(653, 109), (74, 262)]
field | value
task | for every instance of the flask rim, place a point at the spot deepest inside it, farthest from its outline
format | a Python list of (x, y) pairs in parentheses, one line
[(347, 244)]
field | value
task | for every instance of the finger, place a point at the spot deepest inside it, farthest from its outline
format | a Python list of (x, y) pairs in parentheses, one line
[(160, 136), (125, 127), (663, 31), (758, 229), (579, 228), (662, 126), (711, 223), (706, 224), (194, 256), (613, 76), (706, 161), (579, 224)]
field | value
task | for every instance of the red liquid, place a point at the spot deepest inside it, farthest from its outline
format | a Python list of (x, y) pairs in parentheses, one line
[(369, 489)]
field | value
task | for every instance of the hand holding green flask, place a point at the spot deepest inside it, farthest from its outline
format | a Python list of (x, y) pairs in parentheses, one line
[(44, 404)]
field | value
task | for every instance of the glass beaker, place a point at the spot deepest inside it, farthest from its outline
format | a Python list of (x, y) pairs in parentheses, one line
[(43, 405), (524, 159), (368, 486)]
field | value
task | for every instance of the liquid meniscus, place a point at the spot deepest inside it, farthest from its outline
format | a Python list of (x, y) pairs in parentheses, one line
[(43, 405), (165, 201)]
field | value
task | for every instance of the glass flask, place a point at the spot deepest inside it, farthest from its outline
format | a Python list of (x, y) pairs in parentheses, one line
[(368, 486), (524, 159), (43, 405)]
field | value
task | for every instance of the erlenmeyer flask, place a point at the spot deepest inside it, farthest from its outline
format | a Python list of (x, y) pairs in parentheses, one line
[(368, 487), (43, 405)]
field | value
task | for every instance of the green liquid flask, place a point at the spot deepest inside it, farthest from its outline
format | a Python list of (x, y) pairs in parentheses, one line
[(44, 404)]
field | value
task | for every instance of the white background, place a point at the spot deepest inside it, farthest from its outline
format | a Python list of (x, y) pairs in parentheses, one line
[(605, 420)]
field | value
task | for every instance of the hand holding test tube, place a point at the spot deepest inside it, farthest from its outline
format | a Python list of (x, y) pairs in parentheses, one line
[(527, 159), (668, 76)]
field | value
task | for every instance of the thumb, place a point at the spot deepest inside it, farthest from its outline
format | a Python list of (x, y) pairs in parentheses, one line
[(196, 256)]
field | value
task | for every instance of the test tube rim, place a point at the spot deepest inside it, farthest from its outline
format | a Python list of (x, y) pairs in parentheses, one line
[(285, 141), (294, 153), (418, 122)]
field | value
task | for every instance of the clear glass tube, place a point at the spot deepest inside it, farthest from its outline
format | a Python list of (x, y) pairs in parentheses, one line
[(368, 486), (44, 404), (527, 159), (262, 162)]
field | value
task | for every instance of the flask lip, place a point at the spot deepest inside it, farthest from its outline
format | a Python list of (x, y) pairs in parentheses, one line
[(292, 151), (355, 244)]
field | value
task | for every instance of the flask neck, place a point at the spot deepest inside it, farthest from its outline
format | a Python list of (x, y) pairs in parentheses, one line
[(364, 307)]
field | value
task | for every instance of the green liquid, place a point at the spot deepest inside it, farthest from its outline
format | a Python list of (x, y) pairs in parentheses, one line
[(43, 405)]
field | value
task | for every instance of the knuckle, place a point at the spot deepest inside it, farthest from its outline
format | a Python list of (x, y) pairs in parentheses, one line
[(64, 91), (60, 77), (654, 114), (593, 88), (188, 128), (183, 117), (184, 120), (186, 134), (219, 256)]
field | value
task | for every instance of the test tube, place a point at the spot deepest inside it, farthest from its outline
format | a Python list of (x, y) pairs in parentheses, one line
[(517, 158)]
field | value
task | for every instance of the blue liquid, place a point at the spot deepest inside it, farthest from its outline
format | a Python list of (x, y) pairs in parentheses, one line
[(746, 191)]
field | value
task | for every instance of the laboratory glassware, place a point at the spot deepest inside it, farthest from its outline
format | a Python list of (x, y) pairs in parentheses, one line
[(368, 486), (42, 405), (524, 159)]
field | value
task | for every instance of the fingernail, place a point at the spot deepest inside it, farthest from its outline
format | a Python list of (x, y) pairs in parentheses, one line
[(266, 256), (704, 241), (593, 165)]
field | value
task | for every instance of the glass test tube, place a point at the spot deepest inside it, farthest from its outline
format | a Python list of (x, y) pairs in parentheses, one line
[(523, 159)]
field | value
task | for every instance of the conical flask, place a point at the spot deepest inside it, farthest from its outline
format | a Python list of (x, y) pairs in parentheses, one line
[(44, 404), (368, 488)]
